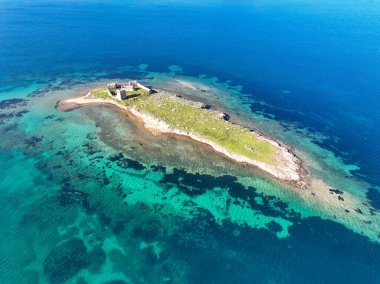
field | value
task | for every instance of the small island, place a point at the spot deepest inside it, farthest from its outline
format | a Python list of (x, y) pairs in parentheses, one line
[(168, 112)]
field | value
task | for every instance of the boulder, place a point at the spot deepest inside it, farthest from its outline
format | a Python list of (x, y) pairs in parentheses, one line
[(205, 106), (225, 116)]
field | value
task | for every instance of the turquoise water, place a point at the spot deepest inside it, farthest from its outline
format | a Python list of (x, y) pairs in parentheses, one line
[(90, 196)]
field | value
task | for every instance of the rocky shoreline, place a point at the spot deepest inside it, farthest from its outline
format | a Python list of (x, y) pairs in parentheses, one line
[(289, 173)]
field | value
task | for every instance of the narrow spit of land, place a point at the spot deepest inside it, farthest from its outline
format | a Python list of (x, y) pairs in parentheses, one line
[(171, 113)]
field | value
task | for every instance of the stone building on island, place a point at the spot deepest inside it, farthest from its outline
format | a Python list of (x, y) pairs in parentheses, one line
[(121, 90)]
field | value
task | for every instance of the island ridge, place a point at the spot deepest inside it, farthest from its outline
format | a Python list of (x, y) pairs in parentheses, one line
[(168, 112)]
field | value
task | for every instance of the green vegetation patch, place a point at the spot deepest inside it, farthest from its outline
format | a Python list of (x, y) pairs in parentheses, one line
[(137, 92), (100, 93), (188, 116)]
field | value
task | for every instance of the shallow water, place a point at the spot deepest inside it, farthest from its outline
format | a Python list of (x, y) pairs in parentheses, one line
[(90, 196)]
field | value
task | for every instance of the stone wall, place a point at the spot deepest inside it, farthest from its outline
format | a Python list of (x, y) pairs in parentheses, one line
[(143, 87)]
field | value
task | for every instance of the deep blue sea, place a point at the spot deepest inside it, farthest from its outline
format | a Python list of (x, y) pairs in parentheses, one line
[(87, 197)]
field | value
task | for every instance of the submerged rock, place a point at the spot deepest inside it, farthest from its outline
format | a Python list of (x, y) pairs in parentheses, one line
[(116, 157), (359, 211), (12, 103), (274, 227), (98, 257), (337, 191), (66, 260), (33, 141), (125, 163)]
